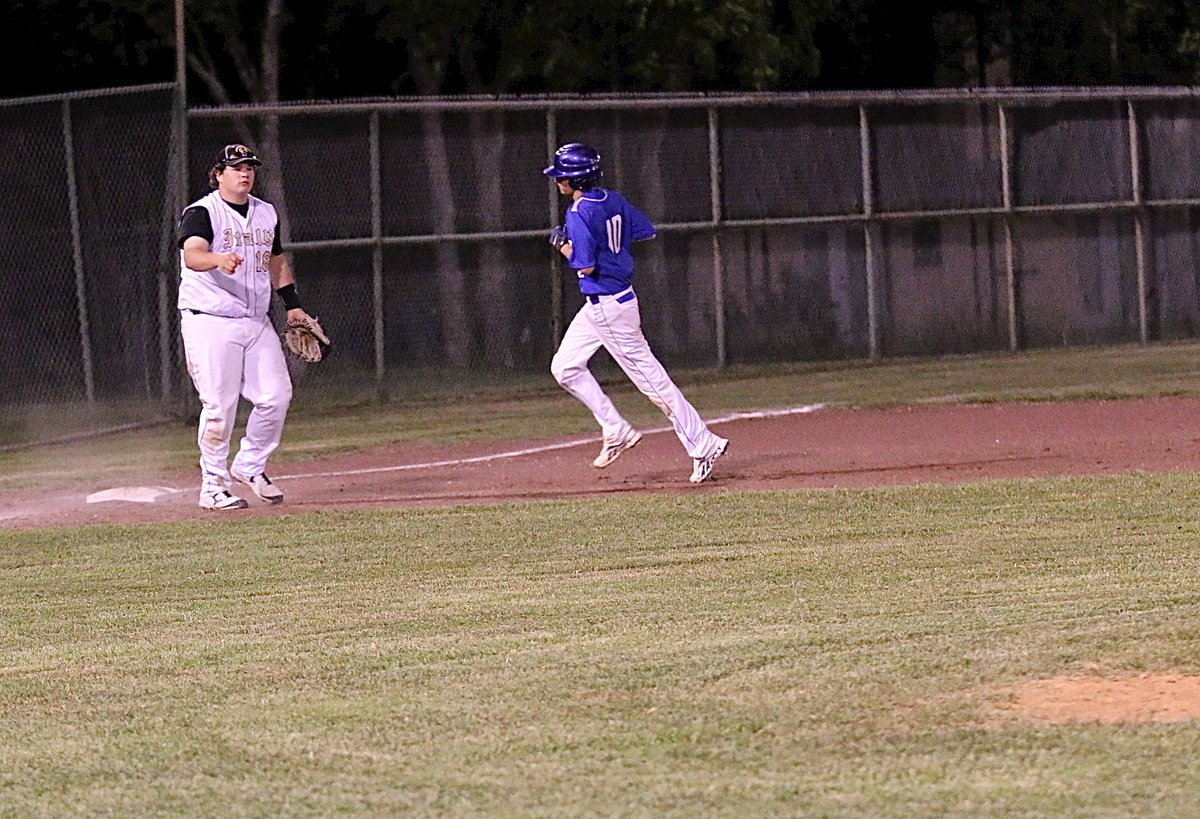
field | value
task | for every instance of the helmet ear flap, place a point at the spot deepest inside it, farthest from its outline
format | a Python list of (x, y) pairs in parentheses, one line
[(585, 183)]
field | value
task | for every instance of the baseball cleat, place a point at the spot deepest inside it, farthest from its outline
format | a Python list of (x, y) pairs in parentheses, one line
[(262, 487), (613, 449), (703, 466), (221, 500)]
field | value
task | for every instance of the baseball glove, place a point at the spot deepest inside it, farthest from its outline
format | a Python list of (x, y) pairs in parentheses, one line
[(305, 338)]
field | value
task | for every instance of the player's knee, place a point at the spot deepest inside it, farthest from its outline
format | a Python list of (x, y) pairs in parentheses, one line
[(561, 370), (279, 399), (213, 432), (565, 372)]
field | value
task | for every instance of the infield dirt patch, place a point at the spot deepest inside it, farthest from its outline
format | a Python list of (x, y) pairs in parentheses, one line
[(1146, 698)]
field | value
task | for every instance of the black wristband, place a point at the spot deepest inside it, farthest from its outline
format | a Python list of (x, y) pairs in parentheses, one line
[(291, 299)]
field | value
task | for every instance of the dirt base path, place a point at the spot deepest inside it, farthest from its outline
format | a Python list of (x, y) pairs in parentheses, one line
[(824, 448)]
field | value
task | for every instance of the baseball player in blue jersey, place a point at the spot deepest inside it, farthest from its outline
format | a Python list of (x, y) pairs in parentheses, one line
[(230, 261), (600, 228)]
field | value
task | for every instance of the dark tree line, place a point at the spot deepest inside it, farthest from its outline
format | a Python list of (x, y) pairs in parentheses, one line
[(261, 50)]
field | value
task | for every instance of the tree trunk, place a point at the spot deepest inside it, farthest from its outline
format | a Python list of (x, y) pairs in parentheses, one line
[(268, 138), (452, 301), (495, 278)]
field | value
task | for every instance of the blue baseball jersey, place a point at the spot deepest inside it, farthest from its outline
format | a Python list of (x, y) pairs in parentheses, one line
[(601, 226)]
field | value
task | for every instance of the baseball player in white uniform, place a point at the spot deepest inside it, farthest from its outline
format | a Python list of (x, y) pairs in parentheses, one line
[(600, 228), (230, 261)]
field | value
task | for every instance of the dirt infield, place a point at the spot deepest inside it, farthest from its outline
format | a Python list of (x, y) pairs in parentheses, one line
[(1141, 699), (824, 448)]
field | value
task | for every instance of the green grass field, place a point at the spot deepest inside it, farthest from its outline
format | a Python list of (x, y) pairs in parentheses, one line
[(808, 653)]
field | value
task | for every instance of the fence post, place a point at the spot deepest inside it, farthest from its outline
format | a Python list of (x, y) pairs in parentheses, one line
[(85, 333), (163, 285), (556, 288), (1010, 271), (377, 255), (864, 147), (1139, 222), (174, 202), (177, 196), (714, 176)]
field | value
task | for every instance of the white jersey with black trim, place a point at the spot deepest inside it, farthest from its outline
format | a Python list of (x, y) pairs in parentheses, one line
[(247, 292)]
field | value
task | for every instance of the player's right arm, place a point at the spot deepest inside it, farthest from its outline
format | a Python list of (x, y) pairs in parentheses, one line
[(582, 253), (195, 239), (197, 256)]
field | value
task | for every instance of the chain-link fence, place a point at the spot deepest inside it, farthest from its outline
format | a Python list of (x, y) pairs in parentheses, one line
[(85, 216), (792, 227)]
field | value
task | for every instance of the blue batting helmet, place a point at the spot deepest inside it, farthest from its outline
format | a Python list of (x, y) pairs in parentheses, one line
[(578, 163)]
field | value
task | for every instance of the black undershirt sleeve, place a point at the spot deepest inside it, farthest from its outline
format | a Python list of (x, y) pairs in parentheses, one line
[(195, 222)]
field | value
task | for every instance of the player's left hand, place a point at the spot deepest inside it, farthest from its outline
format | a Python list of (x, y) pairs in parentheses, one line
[(304, 336), (558, 238)]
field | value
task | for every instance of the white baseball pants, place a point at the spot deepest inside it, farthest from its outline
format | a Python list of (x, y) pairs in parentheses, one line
[(228, 358), (615, 323)]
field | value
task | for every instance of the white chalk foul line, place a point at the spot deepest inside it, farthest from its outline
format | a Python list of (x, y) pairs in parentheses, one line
[(517, 453)]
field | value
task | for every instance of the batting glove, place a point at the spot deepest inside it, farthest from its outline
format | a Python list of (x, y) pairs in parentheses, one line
[(558, 237)]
